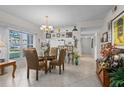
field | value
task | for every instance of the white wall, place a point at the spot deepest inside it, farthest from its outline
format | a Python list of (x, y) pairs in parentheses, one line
[(89, 27), (75, 33), (4, 38), (86, 46), (8, 21), (102, 26), (111, 15), (92, 27), (93, 32), (91, 24)]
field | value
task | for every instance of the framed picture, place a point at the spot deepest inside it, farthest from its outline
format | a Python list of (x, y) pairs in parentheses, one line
[(48, 35), (58, 35), (118, 31), (68, 34), (63, 35), (53, 35), (105, 37)]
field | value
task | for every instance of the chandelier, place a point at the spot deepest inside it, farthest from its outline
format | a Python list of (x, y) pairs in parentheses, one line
[(46, 27)]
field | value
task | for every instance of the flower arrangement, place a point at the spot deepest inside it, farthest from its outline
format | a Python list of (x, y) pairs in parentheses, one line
[(76, 57)]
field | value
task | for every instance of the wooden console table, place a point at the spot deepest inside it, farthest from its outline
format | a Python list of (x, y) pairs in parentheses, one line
[(102, 75), (9, 63)]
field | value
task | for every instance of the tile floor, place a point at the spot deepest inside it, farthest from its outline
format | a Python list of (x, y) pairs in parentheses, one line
[(82, 75)]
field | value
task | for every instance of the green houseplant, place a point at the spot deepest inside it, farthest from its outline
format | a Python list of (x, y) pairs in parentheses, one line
[(117, 78), (76, 57)]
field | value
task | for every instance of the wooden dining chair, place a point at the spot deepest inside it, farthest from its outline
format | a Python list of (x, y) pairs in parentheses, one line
[(59, 62), (33, 61), (53, 51)]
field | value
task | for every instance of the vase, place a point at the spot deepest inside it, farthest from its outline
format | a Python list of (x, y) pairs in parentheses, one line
[(76, 61)]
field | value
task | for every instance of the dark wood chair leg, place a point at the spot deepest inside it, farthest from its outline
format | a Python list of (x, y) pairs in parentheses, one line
[(72, 59), (60, 69), (37, 74), (46, 69), (49, 67), (27, 73), (55, 67), (68, 58), (63, 67)]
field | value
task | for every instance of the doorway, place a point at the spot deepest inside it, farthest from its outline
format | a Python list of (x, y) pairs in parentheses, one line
[(87, 45)]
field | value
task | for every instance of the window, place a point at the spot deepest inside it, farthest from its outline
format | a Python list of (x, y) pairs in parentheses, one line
[(17, 42)]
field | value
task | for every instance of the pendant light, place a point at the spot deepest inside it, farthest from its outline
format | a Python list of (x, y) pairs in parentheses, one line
[(75, 29)]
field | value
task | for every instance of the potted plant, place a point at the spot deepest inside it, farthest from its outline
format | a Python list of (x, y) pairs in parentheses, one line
[(76, 57), (117, 78)]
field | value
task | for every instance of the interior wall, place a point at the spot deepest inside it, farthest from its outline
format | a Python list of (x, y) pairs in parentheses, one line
[(111, 15), (8, 22), (91, 24), (92, 27), (75, 33), (92, 32), (86, 46), (4, 38)]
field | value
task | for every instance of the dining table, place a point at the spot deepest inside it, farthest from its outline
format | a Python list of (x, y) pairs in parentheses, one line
[(47, 58)]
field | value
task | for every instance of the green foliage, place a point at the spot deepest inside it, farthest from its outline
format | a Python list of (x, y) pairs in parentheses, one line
[(117, 78), (76, 55)]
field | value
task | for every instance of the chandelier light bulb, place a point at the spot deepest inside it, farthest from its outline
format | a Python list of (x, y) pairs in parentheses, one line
[(46, 27)]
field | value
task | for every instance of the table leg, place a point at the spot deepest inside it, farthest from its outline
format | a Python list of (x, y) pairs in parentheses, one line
[(1, 71), (14, 69), (68, 58), (46, 68)]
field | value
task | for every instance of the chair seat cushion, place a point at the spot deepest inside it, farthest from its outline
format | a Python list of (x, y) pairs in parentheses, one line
[(41, 64), (51, 57), (54, 62)]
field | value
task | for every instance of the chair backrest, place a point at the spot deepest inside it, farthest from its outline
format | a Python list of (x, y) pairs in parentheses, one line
[(54, 51), (32, 58), (70, 49), (62, 55)]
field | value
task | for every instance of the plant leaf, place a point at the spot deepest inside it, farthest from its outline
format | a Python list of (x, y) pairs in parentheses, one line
[(112, 84)]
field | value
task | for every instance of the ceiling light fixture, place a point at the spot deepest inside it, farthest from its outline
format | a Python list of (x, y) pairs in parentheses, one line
[(46, 27), (75, 29)]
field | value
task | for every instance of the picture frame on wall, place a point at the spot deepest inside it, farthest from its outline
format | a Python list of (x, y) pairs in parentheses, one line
[(48, 35), (63, 35), (105, 37), (118, 31), (68, 34), (53, 35), (58, 35)]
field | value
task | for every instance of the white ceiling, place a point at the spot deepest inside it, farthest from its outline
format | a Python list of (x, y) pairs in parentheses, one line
[(59, 15)]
